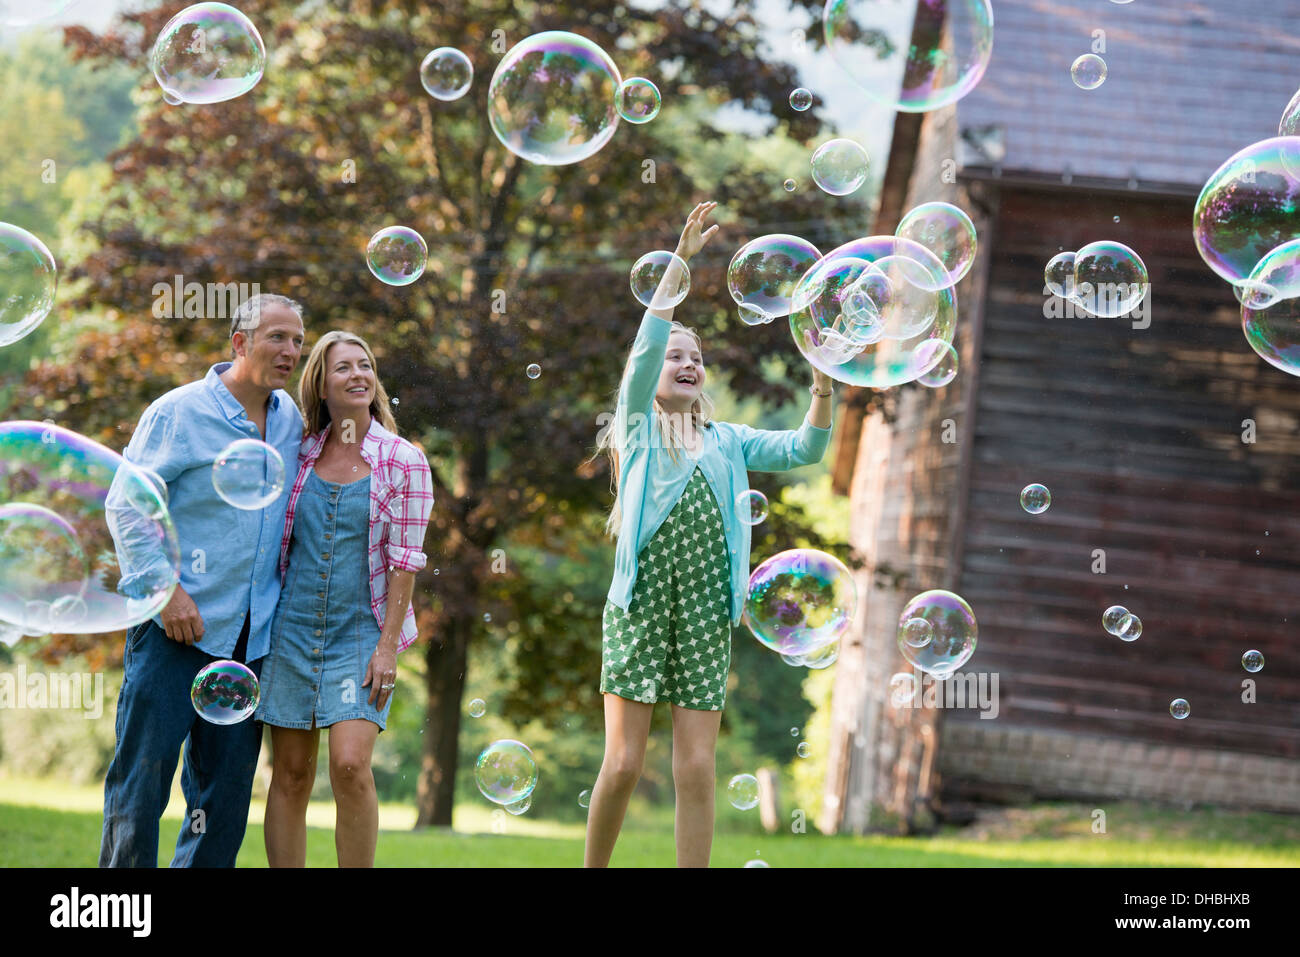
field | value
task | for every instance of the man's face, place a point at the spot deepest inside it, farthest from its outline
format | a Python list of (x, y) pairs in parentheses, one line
[(271, 351)]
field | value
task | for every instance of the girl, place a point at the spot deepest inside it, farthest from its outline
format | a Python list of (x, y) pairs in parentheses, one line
[(681, 567), (352, 545)]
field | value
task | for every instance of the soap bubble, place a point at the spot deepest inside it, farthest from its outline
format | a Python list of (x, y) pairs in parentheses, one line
[(902, 688), (506, 772), (637, 100), (1129, 628), (551, 100), (1111, 618), (794, 732), (584, 798), (801, 99), (477, 708), (519, 807), (225, 692), (742, 792), (1109, 278), (789, 185), (839, 167), (751, 506), (1059, 275), (1249, 206), (794, 661), (397, 255), (1035, 498), (799, 601), (1252, 661), (1254, 294), (248, 474), (916, 632), (803, 750), (1274, 333), (818, 303), (911, 307), (533, 370), (942, 372), (208, 53), (446, 74), (947, 232), (87, 545), (823, 657), (752, 315), (1088, 72), (21, 13), (1179, 708), (28, 280), (764, 271), (955, 632), (757, 862), (1290, 122), (647, 273), (940, 52)]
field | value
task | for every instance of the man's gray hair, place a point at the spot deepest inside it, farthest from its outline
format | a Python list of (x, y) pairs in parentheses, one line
[(249, 314)]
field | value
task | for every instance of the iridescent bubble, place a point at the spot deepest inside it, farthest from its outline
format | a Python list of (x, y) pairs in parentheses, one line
[(912, 307), (1252, 661), (397, 255), (947, 232), (742, 792), (757, 862), (248, 474), (533, 370), (799, 601), (1111, 618), (477, 708), (1290, 122), (487, 616), (764, 271), (584, 798), (1274, 333), (637, 100), (225, 692), (87, 545), (1249, 206), (916, 632), (506, 772), (751, 506), (1088, 72), (1129, 628), (941, 372), (794, 732), (28, 279), (208, 53), (1059, 275), (839, 167), (818, 303), (1109, 278), (648, 272), (519, 807), (801, 99), (1254, 294), (1179, 708), (789, 185), (21, 13), (446, 74), (955, 632), (552, 98), (902, 689), (940, 52), (803, 750), (823, 657), (1035, 498)]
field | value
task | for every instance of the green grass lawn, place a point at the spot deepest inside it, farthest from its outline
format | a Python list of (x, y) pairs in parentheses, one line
[(52, 824)]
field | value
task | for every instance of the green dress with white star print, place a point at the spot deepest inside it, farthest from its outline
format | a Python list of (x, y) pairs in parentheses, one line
[(674, 641)]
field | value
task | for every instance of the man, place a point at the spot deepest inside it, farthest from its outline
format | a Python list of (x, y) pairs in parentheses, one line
[(221, 608)]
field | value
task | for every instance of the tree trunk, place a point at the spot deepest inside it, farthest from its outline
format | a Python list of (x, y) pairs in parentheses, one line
[(445, 684)]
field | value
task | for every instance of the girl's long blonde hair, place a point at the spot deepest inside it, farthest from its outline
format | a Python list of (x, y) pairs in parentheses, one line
[(669, 433), (311, 387)]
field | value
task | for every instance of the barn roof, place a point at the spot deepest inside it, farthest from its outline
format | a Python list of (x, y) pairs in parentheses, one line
[(1188, 85)]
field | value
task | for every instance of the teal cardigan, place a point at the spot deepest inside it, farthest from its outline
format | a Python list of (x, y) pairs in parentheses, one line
[(650, 482)]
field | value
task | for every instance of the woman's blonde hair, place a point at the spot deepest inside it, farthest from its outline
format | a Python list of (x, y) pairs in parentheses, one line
[(669, 433), (311, 387)]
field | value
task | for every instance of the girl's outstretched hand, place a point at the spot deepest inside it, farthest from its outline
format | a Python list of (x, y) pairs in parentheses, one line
[(693, 240)]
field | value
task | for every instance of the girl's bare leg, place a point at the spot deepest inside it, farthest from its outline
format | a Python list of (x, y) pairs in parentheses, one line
[(627, 728), (695, 746)]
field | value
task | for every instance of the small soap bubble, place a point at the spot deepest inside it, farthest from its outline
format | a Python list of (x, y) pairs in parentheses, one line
[(487, 616), (225, 692), (1129, 628), (742, 792), (584, 798), (1088, 71), (751, 506), (1252, 661), (446, 74), (1111, 618), (1059, 275), (208, 53), (940, 373), (790, 185), (956, 632), (395, 401), (637, 100), (803, 750), (397, 255), (649, 271), (519, 807), (1115, 219), (506, 772), (248, 474), (533, 370), (823, 657), (794, 732), (916, 632), (1109, 278), (801, 99), (839, 167), (477, 708), (1179, 708), (1035, 499)]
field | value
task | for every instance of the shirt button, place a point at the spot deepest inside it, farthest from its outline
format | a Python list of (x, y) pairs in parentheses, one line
[(322, 574), (326, 556), (317, 632), (327, 538), (314, 668), (330, 516), (320, 594), (320, 614)]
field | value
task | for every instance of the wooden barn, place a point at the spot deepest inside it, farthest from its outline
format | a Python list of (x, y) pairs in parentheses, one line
[(1171, 450)]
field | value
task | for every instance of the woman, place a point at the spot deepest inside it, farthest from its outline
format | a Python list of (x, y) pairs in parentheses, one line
[(352, 545)]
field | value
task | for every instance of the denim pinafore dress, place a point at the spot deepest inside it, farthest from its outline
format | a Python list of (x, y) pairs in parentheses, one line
[(324, 630)]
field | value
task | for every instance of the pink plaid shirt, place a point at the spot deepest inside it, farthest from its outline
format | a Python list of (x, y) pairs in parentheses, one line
[(401, 500)]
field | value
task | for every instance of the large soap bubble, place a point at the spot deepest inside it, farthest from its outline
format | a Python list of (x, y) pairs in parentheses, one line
[(506, 772), (86, 543), (248, 474), (1249, 207), (908, 61), (208, 53), (946, 231), (28, 280), (955, 632), (799, 601), (225, 692), (764, 271), (818, 303), (552, 98)]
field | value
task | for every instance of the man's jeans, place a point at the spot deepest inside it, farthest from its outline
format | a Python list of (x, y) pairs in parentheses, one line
[(154, 717)]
